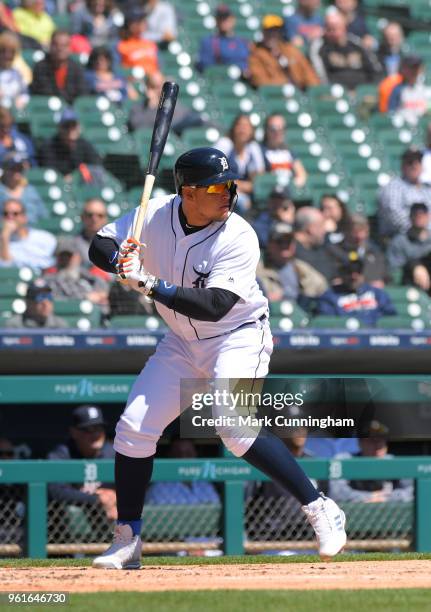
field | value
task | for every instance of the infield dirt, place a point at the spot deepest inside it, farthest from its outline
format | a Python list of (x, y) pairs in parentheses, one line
[(304, 576)]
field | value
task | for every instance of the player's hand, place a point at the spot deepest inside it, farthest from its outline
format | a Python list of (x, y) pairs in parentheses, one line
[(130, 268), (129, 246)]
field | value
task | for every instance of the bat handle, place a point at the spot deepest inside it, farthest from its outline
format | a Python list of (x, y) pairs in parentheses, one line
[(148, 187)]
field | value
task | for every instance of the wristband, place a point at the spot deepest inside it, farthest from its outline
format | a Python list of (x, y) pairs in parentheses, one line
[(163, 292)]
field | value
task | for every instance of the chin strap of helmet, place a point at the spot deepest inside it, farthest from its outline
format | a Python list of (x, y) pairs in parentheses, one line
[(233, 196)]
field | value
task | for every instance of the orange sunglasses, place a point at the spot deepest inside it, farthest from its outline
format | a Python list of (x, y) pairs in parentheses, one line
[(220, 187)]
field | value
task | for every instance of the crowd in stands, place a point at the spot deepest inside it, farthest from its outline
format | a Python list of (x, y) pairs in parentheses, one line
[(319, 252)]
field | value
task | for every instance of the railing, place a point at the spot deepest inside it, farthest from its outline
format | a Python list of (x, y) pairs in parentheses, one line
[(233, 473)]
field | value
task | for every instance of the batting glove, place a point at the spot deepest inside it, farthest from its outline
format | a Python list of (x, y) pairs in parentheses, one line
[(131, 269), (128, 246)]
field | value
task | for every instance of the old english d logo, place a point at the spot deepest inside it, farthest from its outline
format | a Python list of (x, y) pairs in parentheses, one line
[(199, 282)]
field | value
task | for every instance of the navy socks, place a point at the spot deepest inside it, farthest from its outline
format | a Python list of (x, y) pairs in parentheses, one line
[(272, 457), (132, 476)]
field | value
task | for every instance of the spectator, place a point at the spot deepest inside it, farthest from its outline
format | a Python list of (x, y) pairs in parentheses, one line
[(193, 492), (69, 279), (353, 297), (405, 93), (390, 51), (125, 301), (58, 74), (358, 239), (276, 62), (14, 186), (103, 81), (11, 40), (33, 21), (39, 312), (310, 242), (134, 49), (337, 218), (282, 275), (87, 440), (224, 47), (374, 491), (93, 216), (21, 245), (142, 114), (280, 208), (340, 57), (98, 21), (13, 88), (396, 198), (242, 151), (67, 151), (355, 19), (410, 252), (305, 25), (161, 22), (12, 141), (278, 157), (426, 159)]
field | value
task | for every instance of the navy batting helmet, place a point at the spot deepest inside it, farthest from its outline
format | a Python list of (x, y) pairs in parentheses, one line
[(202, 166)]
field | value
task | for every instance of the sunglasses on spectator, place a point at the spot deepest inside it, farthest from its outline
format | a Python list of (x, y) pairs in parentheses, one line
[(219, 188), (94, 214), (12, 213), (6, 453), (41, 297)]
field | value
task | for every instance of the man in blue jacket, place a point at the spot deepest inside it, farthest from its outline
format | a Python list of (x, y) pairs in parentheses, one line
[(353, 297)]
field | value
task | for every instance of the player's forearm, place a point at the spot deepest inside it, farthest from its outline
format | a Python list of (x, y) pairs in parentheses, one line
[(201, 304), (103, 252)]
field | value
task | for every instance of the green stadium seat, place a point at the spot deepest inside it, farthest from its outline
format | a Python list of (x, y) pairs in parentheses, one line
[(402, 322), (150, 323), (16, 274), (335, 322)]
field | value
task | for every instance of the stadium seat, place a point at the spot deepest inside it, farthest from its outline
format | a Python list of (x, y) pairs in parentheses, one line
[(329, 321), (150, 323), (402, 322)]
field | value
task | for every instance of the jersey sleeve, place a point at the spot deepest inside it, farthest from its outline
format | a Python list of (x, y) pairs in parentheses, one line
[(235, 267)]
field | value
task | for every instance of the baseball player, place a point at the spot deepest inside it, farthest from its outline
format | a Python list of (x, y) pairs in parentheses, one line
[(197, 260)]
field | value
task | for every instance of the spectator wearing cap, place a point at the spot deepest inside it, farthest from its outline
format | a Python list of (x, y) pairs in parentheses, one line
[(13, 88), (357, 239), (305, 25), (411, 252), (310, 235), (396, 198), (143, 113), (162, 25), (280, 208), (39, 312), (276, 62), (12, 140), (67, 150), (224, 47), (33, 21), (391, 48), (405, 93), (87, 440), (14, 185), (426, 159), (279, 159), (244, 153), (374, 445), (352, 297), (69, 279), (340, 57), (21, 244), (337, 218), (98, 21), (134, 49), (281, 275), (58, 74)]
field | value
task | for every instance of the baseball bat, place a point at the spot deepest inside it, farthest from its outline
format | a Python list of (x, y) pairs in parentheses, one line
[(162, 123)]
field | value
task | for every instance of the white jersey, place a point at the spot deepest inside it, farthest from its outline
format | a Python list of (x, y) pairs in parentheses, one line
[(224, 255)]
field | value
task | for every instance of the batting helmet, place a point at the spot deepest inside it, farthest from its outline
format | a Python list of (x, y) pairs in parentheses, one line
[(202, 166)]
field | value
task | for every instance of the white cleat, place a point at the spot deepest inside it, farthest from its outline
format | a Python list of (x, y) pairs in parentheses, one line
[(328, 521), (124, 552)]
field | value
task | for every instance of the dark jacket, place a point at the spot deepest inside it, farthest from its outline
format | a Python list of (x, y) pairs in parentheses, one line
[(55, 154), (44, 83)]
